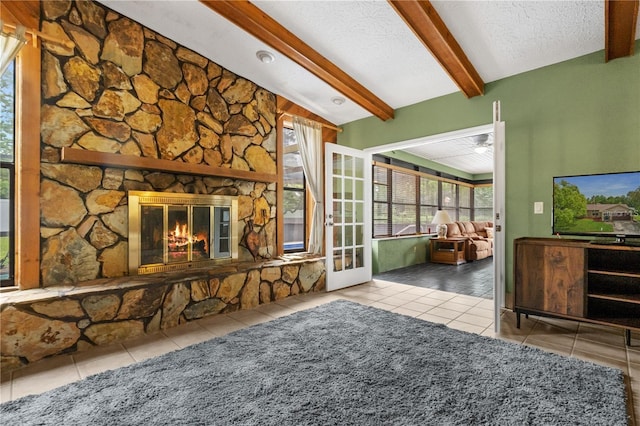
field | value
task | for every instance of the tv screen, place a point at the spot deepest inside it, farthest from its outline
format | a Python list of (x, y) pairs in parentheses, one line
[(600, 204)]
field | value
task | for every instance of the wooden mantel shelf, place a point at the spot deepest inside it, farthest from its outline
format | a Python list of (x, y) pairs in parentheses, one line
[(83, 156)]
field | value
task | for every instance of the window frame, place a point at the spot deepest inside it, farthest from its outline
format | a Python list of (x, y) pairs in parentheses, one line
[(477, 208), (27, 163), (10, 280), (385, 203), (10, 166), (288, 149), (454, 209)]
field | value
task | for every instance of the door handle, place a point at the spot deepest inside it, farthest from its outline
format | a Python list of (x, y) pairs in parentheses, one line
[(329, 221)]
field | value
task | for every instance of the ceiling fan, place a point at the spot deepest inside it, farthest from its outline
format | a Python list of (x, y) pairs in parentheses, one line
[(482, 142)]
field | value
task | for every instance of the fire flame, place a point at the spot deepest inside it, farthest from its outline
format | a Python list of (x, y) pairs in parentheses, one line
[(180, 238), (180, 231)]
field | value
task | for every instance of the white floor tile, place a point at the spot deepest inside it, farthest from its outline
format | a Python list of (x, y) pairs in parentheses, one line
[(460, 312)]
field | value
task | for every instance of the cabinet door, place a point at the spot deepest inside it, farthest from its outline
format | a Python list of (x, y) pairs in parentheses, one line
[(550, 278)]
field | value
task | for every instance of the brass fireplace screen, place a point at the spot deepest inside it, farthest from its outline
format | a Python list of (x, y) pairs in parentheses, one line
[(170, 231)]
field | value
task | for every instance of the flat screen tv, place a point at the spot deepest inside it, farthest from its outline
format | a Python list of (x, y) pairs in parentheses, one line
[(606, 205)]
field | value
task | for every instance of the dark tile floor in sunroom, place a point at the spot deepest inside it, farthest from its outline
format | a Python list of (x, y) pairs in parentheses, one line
[(470, 279)]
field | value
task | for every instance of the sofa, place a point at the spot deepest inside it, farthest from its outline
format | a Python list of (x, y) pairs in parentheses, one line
[(479, 238)]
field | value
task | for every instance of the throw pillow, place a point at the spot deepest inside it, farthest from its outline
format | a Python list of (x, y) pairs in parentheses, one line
[(489, 232)]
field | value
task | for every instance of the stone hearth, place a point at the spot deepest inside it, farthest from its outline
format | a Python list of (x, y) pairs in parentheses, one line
[(64, 319)]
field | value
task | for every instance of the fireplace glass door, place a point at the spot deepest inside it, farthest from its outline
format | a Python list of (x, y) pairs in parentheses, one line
[(223, 231), (180, 231), (185, 234), (201, 235), (152, 230), (178, 234)]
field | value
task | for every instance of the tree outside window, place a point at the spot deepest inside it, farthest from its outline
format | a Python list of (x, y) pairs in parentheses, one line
[(483, 203), (381, 195), (405, 202), (449, 201), (464, 203), (428, 203), (294, 195), (7, 173)]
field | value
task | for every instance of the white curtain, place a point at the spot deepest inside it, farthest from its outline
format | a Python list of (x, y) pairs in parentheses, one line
[(309, 139), (10, 45)]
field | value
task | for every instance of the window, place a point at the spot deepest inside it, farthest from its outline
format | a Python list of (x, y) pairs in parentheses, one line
[(449, 202), (405, 202), (7, 174), (464, 203), (483, 203), (222, 232), (428, 203), (381, 205), (294, 195)]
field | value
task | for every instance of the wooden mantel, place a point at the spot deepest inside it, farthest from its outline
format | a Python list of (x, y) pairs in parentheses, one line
[(95, 158)]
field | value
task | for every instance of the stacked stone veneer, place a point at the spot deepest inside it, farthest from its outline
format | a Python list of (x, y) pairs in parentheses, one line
[(124, 89), (75, 319)]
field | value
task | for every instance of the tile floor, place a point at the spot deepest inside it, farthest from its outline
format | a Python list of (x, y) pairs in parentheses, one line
[(603, 345), (471, 278)]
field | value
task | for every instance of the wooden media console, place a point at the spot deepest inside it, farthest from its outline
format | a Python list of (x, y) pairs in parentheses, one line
[(578, 280)]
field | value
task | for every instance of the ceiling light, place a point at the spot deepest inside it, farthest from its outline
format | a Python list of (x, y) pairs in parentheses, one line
[(482, 143), (265, 57), (480, 139), (338, 100)]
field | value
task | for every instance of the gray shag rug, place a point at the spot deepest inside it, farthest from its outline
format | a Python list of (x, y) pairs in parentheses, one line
[(338, 364)]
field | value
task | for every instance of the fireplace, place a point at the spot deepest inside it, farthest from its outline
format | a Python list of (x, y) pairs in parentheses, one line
[(170, 231)]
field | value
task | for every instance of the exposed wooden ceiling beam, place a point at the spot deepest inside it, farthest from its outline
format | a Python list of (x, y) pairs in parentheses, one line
[(620, 17), (257, 23), (427, 25)]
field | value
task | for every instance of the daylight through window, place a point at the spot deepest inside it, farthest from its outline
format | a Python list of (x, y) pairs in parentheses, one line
[(7, 174), (294, 195), (405, 202)]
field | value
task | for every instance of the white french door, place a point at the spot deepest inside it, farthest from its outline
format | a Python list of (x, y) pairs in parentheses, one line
[(347, 216), (499, 214)]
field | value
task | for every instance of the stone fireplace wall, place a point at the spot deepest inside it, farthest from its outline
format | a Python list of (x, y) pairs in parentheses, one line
[(125, 89), (45, 322)]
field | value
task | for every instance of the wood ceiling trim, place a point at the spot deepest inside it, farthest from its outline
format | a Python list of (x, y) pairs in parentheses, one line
[(620, 17), (285, 106), (257, 23), (427, 25), (25, 13)]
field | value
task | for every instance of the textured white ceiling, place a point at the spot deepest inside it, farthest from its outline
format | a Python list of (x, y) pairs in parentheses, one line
[(370, 42), (458, 153), (504, 38)]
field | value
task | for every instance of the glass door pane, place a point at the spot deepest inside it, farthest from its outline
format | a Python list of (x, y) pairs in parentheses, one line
[(201, 247), (151, 235), (222, 235), (178, 234), (348, 203)]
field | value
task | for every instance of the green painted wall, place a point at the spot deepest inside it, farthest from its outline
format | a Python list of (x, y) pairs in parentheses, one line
[(576, 117), (393, 253)]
